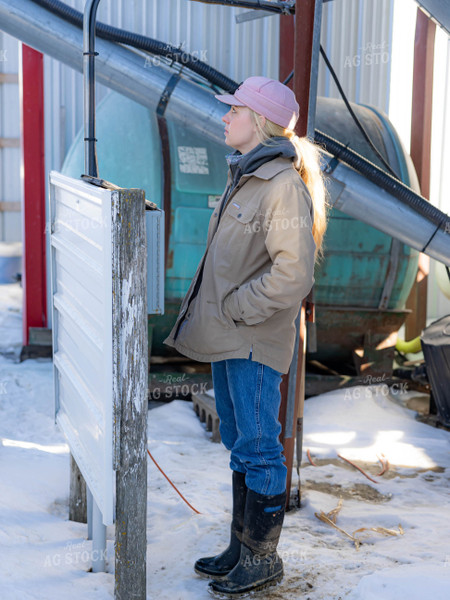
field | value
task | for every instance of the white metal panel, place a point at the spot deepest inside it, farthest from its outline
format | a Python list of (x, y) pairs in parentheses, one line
[(10, 158), (81, 268)]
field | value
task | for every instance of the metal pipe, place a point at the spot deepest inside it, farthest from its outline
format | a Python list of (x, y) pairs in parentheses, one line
[(303, 65), (307, 125), (90, 150), (314, 69), (34, 199), (358, 197), (98, 540), (89, 510)]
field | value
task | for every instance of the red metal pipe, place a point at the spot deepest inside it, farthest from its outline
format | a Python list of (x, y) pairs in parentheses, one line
[(304, 29), (286, 47), (422, 99), (34, 265)]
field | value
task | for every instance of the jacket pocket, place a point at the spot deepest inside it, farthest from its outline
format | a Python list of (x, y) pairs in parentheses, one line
[(225, 306), (243, 213), (219, 311)]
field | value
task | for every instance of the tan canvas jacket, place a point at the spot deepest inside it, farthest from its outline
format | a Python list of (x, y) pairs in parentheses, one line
[(257, 268)]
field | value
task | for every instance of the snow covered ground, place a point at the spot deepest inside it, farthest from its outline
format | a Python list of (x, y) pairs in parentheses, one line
[(44, 556)]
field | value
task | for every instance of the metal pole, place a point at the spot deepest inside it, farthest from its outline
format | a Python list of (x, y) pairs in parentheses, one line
[(421, 122), (90, 151), (96, 533), (314, 69), (307, 36), (98, 540), (89, 504), (33, 157)]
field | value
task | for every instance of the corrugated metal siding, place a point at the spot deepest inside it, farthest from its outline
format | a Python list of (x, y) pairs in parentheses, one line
[(10, 183), (357, 37)]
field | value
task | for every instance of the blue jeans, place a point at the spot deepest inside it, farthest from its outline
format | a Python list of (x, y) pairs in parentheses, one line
[(247, 401)]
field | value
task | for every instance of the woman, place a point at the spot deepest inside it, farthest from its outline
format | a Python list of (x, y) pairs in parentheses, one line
[(239, 313)]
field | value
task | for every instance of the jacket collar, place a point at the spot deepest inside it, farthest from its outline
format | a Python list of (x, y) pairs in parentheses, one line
[(271, 168)]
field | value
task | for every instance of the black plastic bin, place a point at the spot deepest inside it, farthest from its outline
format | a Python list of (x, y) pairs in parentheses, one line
[(435, 340)]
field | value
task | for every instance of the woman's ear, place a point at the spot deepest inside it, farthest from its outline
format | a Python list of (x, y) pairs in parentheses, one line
[(262, 120)]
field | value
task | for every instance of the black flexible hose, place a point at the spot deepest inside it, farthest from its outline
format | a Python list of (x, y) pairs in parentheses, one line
[(143, 43), (381, 178), (334, 147), (352, 114)]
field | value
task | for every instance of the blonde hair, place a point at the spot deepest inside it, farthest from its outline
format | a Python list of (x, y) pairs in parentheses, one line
[(308, 167)]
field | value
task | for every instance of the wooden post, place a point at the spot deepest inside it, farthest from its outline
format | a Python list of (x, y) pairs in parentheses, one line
[(77, 499), (130, 372)]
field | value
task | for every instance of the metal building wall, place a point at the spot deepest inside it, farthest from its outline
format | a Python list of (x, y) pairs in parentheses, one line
[(402, 62), (357, 38), (10, 182), (438, 304)]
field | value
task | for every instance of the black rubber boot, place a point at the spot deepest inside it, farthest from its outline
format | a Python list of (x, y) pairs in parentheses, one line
[(220, 565), (259, 564)]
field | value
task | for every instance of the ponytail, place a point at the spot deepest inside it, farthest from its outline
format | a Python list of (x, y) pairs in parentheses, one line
[(308, 167)]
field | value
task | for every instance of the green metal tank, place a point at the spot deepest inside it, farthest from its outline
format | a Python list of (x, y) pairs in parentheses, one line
[(366, 276)]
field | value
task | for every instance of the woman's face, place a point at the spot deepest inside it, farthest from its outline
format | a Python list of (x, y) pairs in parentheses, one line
[(240, 132)]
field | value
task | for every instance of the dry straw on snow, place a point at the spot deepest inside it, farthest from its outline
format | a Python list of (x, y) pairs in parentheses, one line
[(331, 517)]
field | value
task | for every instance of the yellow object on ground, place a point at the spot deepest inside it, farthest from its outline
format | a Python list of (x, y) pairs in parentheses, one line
[(412, 346)]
